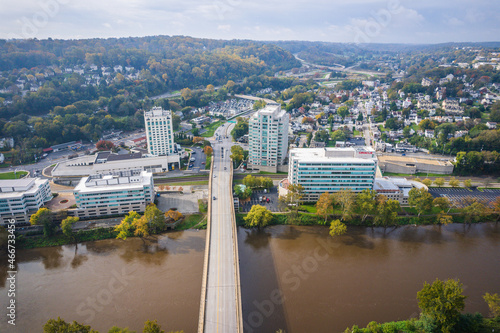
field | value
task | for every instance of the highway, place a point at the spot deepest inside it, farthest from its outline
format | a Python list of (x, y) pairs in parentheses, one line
[(222, 302)]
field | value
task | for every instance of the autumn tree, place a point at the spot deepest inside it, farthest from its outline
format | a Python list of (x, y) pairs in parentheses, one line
[(125, 228), (324, 205), (337, 228), (442, 302), (104, 145), (141, 227), (67, 225), (427, 182), (44, 218), (468, 183), (186, 94), (174, 215), (420, 199), (258, 216), (207, 150), (493, 301), (210, 88)]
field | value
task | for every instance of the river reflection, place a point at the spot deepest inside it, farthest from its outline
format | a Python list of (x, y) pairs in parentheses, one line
[(294, 278), (111, 282), (368, 274)]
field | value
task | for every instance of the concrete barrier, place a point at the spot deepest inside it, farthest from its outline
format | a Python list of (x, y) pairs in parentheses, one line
[(201, 321), (239, 312)]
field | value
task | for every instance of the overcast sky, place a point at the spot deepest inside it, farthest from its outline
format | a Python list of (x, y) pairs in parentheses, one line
[(387, 21)]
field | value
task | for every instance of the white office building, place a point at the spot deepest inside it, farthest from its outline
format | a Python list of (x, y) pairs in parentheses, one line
[(159, 132), (113, 194), (268, 138), (321, 170), (20, 198)]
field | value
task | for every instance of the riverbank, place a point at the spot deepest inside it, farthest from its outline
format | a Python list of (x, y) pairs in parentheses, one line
[(310, 219), (192, 221)]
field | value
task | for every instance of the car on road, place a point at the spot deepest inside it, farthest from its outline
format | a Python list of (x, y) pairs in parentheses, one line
[(215, 176), (202, 162), (215, 198), (225, 168)]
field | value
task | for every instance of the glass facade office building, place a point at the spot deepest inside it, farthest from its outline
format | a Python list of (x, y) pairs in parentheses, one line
[(321, 170), (112, 194)]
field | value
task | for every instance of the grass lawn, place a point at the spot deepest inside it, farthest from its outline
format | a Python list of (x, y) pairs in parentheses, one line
[(199, 182), (190, 221), (208, 162), (382, 128), (10, 175), (419, 174), (356, 133), (272, 173), (308, 208), (211, 129)]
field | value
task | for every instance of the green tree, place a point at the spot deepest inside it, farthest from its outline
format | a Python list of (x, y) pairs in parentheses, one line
[(258, 216), (387, 211), (493, 301), (44, 218), (154, 218), (468, 183), (249, 181), (427, 182), (124, 229), (438, 181), (324, 205), (337, 228), (442, 302), (60, 326), (474, 212), (345, 198), (343, 111), (366, 203), (442, 202), (292, 199), (267, 182), (67, 226), (242, 194), (454, 182), (237, 154), (420, 199), (116, 329)]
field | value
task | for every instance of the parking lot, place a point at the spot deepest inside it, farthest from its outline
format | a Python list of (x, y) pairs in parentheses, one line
[(186, 203), (456, 195), (272, 194)]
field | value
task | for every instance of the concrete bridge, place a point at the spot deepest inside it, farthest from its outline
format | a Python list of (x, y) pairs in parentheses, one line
[(220, 305)]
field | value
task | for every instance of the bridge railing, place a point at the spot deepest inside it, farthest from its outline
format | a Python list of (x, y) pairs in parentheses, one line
[(201, 322)]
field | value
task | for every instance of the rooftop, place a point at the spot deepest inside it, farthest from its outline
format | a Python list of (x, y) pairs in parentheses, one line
[(157, 111), (408, 159), (350, 154)]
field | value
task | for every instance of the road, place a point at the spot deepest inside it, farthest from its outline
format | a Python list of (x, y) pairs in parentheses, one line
[(221, 299)]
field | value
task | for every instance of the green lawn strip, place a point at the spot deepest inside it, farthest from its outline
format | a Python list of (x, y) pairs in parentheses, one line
[(187, 183), (211, 129), (190, 221), (11, 175)]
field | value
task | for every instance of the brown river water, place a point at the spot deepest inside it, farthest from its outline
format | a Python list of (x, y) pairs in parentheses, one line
[(297, 279)]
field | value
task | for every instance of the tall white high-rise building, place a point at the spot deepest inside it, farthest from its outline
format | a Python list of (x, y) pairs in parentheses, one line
[(159, 132), (268, 138)]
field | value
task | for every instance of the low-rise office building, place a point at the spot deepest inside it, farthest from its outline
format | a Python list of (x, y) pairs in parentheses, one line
[(396, 188), (412, 165), (112, 194), (20, 198), (321, 170)]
